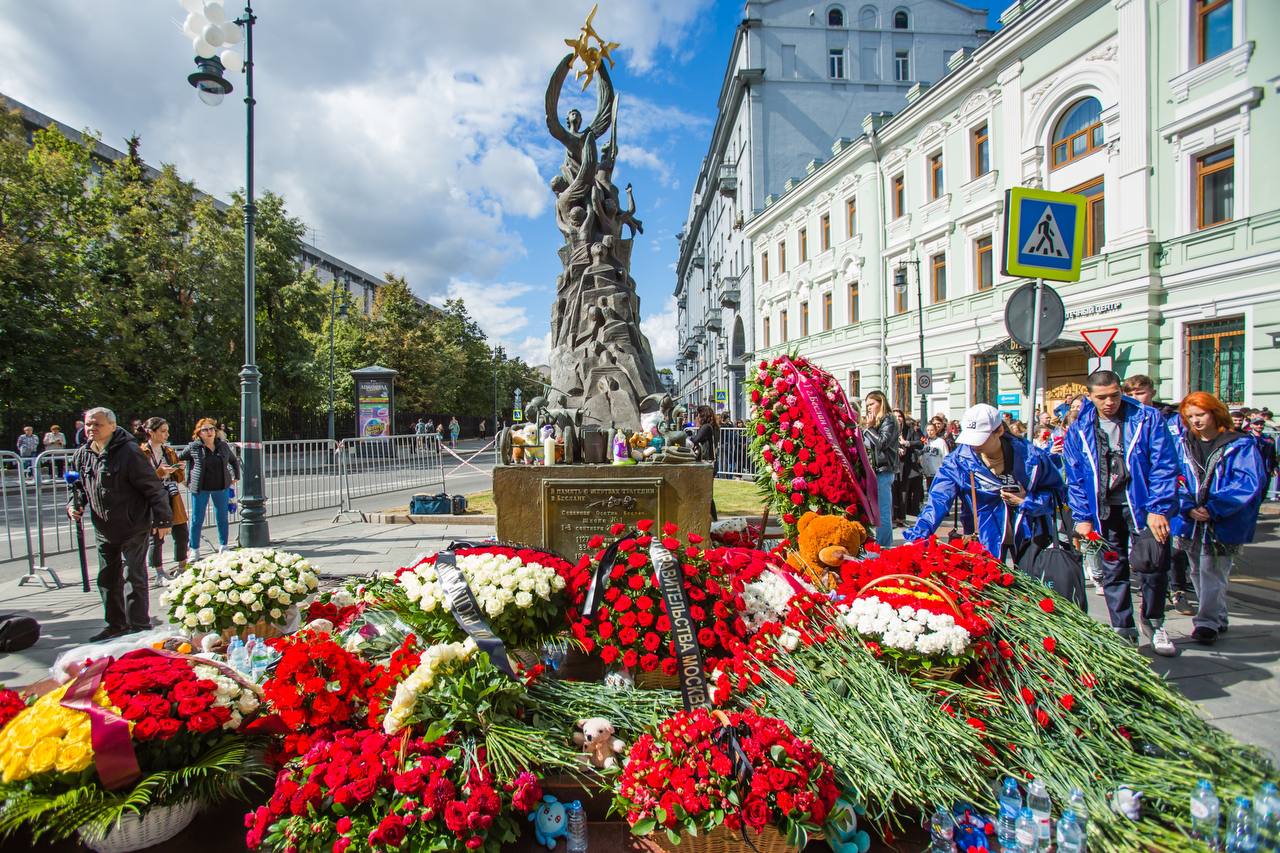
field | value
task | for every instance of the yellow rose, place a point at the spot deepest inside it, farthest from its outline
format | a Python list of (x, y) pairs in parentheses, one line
[(78, 732), (15, 766), (73, 757), (44, 755), (23, 732)]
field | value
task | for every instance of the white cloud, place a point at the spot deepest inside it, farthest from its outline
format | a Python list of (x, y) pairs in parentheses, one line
[(492, 306), (408, 136), (534, 350), (634, 155), (660, 329)]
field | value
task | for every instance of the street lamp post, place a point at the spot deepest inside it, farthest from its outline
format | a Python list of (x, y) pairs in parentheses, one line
[(334, 313), (498, 355), (900, 285), (212, 86)]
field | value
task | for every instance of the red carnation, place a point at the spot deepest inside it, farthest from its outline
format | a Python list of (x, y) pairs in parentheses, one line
[(1067, 702), (1049, 644), (1046, 604)]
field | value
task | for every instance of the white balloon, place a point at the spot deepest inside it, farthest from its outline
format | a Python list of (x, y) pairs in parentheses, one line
[(192, 5), (202, 47), (213, 11), (194, 25), (212, 34), (232, 60), (230, 32)]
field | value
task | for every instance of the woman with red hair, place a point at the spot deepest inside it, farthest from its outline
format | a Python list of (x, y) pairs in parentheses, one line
[(1220, 487), (214, 470)]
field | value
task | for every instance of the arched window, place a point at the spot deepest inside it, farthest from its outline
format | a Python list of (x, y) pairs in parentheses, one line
[(869, 18), (835, 17), (1078, 133), (901, 21), (739, 346)]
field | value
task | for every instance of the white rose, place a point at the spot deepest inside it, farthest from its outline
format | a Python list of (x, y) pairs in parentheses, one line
[(220, 598), (524, 600), (202, 599), (190, 620), (276, 613), (205, 616)]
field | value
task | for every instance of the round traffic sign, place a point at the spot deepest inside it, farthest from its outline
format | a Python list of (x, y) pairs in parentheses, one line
[(1020, 310)]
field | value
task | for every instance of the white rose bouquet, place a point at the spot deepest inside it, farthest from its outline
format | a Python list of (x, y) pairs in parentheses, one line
[(520, 592), (233, 590)]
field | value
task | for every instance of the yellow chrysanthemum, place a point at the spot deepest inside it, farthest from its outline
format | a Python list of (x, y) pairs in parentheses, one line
[(44, 756), (73, 757)]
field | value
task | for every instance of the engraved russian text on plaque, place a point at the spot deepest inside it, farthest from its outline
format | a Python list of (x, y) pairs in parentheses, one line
[(575, 510)]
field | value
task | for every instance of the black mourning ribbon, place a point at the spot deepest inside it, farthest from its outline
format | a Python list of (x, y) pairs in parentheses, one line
[(694, 689), (728, 738), (466, 611), (600, 577)]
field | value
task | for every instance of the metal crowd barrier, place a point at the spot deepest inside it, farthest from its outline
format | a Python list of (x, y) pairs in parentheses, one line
[(299, 476), (732, 461), (388, 464)]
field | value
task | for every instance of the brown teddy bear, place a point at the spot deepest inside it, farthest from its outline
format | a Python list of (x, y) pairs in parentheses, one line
[(822, 544)]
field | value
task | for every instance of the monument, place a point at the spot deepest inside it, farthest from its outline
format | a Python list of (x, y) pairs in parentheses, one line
[(604, 400), (600, 360)]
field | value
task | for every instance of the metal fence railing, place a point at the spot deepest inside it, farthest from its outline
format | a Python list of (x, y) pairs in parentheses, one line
[(389, 464), (298, 476), (732, 461)]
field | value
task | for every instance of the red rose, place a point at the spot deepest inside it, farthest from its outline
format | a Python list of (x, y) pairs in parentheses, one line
[(343, 825), (391, 830), (167, 728), (608, 654), (644, 525), (630, 658), (755, 812), (146, 729), (202, 723)]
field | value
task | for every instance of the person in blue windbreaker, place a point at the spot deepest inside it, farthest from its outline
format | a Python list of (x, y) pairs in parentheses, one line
[(1012, 482), (1220, 487), (1122, 482)]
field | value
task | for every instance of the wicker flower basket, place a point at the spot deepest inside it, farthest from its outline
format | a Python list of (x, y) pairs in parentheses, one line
[(136, 832), (656, 680), (263, 629), (933, 673), (719, 840)]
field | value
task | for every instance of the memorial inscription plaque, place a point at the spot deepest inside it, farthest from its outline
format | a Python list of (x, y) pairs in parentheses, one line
[(575, 510)]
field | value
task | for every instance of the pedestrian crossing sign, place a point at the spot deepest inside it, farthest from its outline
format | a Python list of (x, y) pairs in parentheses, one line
[(1043, 234)]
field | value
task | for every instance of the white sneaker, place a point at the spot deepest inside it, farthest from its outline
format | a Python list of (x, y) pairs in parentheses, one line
[(1161, 644), (193, 556)]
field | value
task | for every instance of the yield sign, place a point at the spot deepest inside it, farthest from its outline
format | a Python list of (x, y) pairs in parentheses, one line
[(1099, 339)]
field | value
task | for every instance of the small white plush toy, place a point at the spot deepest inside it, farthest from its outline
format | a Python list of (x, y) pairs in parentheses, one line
[(598, 743)]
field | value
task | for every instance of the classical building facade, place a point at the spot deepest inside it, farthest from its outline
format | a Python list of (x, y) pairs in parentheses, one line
[(799, 75), (1151, 109)]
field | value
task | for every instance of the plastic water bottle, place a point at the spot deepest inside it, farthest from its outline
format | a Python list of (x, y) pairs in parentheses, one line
[(942, 831), (1042, 807), (1205, 810), (576, 839), (259, 659), (1076, 802), (231, 500), (1266, 811), (1027, 836), (237, 656), (1070, 833), (1242, 836), (1010, 805)]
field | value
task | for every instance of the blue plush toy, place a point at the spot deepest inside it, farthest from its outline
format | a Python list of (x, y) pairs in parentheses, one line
[(843, 834), (550, 821)]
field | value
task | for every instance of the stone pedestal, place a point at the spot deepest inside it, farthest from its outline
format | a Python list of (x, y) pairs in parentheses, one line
[(560, 507)]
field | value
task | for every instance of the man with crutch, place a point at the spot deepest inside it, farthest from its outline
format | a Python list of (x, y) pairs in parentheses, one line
[(127, 503)]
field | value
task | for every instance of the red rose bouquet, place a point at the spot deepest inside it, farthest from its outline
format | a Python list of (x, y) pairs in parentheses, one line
[(631, 626), (10, 704), (700, 771), (805, 442), (365, 789), (317, 687)]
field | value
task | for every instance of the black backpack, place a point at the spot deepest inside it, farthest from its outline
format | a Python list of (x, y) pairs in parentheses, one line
[(17, 632)]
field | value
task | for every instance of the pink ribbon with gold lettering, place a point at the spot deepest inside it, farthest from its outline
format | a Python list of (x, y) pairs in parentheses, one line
[(113, 754), (816, 402)]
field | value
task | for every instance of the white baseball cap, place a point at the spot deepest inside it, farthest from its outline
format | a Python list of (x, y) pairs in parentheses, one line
[(977, 423)]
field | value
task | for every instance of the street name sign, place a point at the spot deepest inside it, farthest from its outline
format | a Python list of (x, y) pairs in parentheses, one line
[(1043, 234)]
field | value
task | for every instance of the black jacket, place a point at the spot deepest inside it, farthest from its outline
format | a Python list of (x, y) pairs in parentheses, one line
[(882, 444), (704, 442), (125, 495), (194, 453)]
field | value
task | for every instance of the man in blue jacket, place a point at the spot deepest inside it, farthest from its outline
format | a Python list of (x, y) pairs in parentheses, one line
[(1122, 479), (1011, 483)]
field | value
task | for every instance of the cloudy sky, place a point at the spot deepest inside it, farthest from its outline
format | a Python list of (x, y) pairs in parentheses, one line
[(409, 136)]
